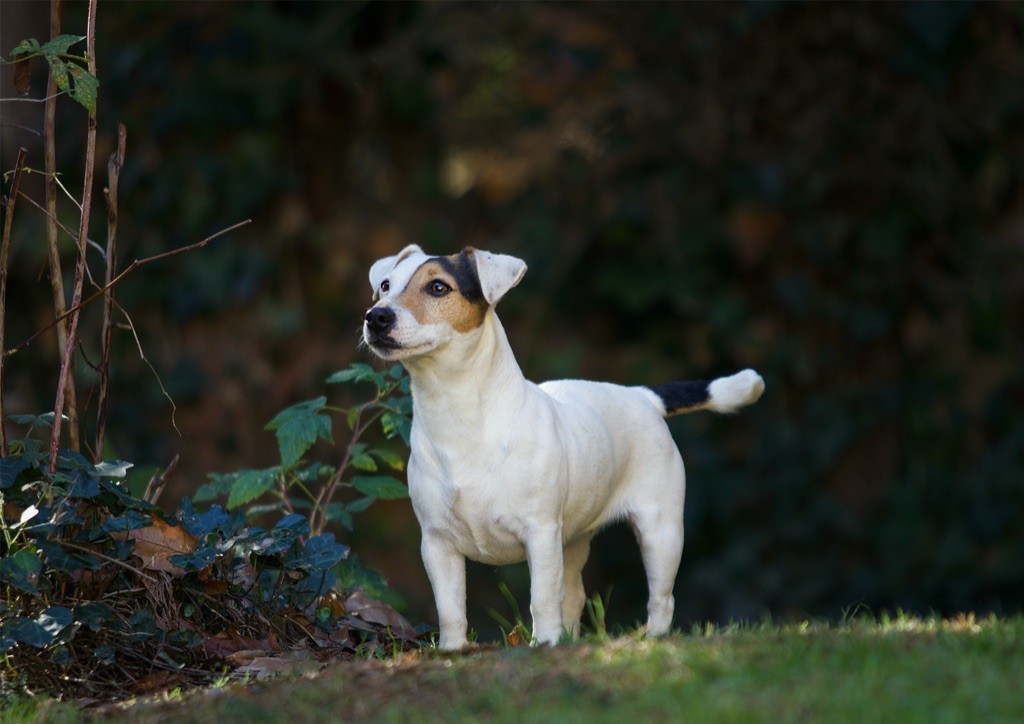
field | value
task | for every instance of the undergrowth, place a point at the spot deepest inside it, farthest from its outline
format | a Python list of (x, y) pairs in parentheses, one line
[(104, 594)]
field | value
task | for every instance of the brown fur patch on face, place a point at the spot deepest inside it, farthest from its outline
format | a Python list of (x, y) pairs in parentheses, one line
[(454, 308)]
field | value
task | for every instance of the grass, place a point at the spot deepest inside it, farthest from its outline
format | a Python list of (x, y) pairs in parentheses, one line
[(902, 669)]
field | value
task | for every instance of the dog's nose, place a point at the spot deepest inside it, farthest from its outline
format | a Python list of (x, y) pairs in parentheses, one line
[(380, 319)]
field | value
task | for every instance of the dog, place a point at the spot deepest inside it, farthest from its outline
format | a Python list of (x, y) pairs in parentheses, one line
[(504, 470)]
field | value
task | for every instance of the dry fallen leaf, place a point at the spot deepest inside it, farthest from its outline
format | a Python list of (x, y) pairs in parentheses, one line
[(155, 544), (373, 611), (265, 667), (227, 643)]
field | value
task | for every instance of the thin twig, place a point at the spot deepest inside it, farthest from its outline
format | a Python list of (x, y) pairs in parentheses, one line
[(31, 100), (73, 234), (158, 481), (114, 166), (5, 250), (142, 356), (116, 280), (108, 559), (33, 131)]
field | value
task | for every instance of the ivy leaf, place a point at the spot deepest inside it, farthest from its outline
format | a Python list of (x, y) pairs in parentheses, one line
[(319, 553), (298, 427), (10, 469), (384, 487), (86, 87), (96, 616), (21, 570), (131, 520), (40, 632), (112, 469), (60, 44), (251, 484), (201, 524), (60, 558)]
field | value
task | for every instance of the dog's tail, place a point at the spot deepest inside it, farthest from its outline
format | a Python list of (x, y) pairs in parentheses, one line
[(725, 394)]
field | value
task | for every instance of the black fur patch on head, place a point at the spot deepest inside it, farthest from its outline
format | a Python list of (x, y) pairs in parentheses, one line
[(679, 396), (463, 271)]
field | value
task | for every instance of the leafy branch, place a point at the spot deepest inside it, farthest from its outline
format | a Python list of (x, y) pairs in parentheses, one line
[(315, 487), (72, 73)]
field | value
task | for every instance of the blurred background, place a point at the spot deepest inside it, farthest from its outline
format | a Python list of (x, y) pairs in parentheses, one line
[(831, 193)]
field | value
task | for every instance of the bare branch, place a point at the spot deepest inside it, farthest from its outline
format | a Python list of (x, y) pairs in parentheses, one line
[(50, 186), (114, 166), (158, 481), (116, 280), (65, 379), (5, 250)]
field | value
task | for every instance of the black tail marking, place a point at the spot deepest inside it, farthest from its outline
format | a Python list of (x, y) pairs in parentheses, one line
[(681, 396)]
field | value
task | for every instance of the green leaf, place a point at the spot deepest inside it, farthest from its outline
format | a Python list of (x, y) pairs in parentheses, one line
[(10, 469), (96, 615), (220, 484), (60, 73), (298, 427), (40, 632), (358, 506), (394, 423), (29, 45), (251, 484), (336, 513), (364, 462), (86, 87), (112, 469), (384, 487), (319, 553), (59, 45), (21, 570), (390, 458), (357, 372)]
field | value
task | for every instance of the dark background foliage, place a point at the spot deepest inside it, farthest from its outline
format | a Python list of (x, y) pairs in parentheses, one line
[(830, 193)]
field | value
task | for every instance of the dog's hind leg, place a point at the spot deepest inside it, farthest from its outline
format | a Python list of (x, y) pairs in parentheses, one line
[(574, 556), (661, 543)]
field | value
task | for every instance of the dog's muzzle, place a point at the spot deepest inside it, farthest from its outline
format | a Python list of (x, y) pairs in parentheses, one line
[(379, 322)]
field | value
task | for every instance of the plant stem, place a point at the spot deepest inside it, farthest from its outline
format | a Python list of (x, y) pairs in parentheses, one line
[(63, 380), (50, 187), (114, 166), (5, 250)]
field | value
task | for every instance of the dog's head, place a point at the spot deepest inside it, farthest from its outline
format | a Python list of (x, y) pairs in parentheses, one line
[(424, 302)]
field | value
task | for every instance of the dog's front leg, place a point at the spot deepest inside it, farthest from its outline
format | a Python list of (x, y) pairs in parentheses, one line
[(547, 587), (446, 569)]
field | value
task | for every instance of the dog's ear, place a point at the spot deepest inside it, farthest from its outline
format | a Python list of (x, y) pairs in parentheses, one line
[(382, 267), (498, 273)]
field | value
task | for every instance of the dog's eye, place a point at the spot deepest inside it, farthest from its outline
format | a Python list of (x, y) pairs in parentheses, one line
[(385, 286), (438, 288)]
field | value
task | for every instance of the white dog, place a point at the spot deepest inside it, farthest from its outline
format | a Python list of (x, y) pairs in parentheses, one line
[(503, 469)]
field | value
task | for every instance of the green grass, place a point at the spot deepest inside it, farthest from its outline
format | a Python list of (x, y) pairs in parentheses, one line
[(899, 670)]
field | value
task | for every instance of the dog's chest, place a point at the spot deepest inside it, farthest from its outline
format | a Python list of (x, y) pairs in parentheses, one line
[(464, 498)]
